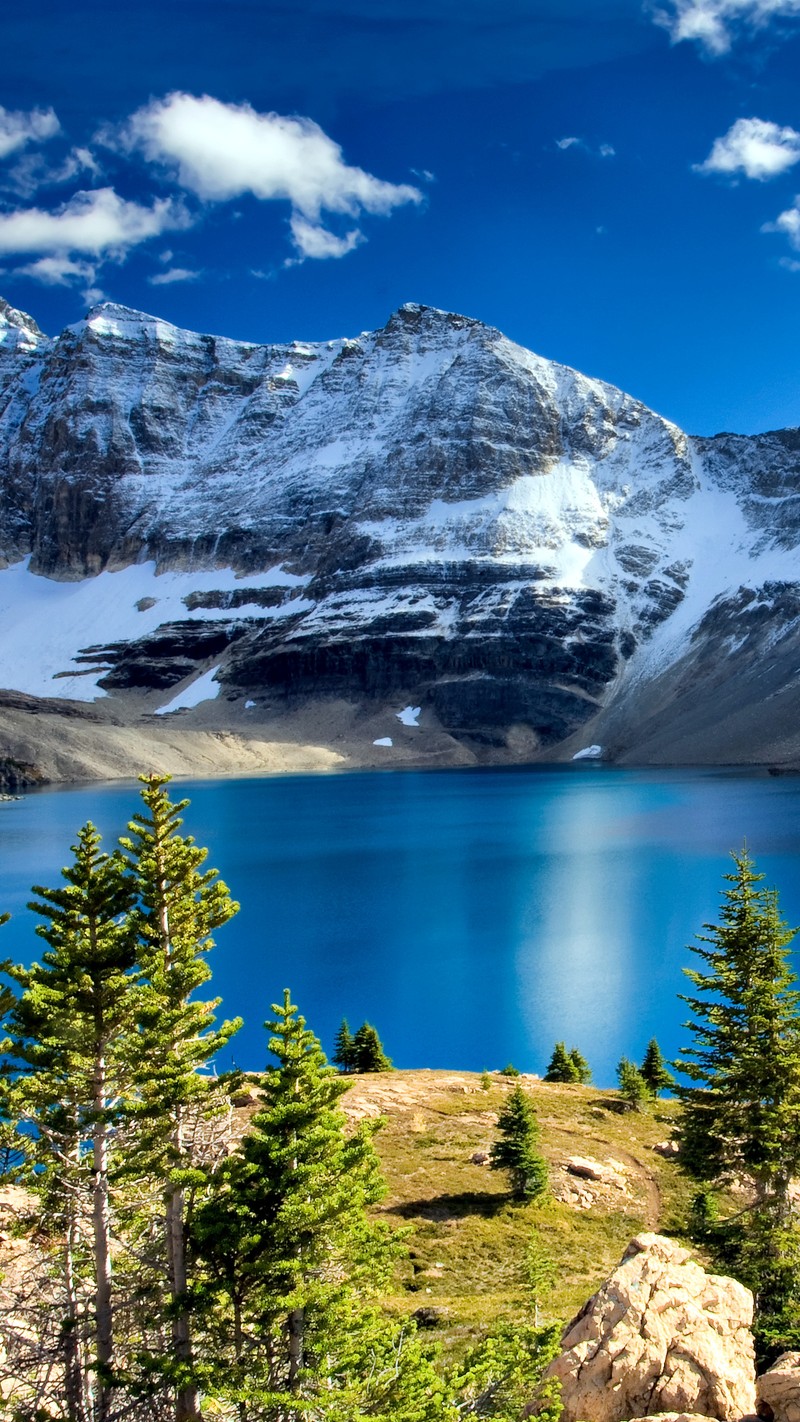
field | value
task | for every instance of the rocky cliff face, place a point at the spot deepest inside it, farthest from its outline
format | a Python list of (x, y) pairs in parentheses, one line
[(426, 511)]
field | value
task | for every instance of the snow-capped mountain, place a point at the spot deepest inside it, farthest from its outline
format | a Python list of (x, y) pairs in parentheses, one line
[(427, 511)]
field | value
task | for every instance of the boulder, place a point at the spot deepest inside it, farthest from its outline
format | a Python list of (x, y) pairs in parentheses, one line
[(778, 1390), (661, 1335), (609, 1172), (673, 1417)]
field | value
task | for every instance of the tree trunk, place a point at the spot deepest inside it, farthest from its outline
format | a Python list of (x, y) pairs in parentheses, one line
[(187, 1400), (102, 1240), (75, 1388), (187, 1403), (297, 1324)]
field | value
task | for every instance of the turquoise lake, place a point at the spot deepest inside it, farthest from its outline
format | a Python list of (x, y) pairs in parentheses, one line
[(473, 916)]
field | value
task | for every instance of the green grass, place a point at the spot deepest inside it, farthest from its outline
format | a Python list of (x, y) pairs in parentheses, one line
[(467, 1239)]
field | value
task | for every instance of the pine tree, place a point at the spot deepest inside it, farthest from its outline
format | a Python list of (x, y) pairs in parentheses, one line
[(69, 1068), (504, 1376), (179, 906), (291, 1260), (368, 1053), (632, 1086), (515, 1150), (344, 1048), (561, 1066), (582, 1068), (742, 1112), (654, 1070)]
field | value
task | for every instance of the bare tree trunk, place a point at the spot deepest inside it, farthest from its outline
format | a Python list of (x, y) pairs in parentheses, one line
[(102, 1242), (187, 1403), (297, 1325), (187, 1400), (74, 1378), (297, 1318)]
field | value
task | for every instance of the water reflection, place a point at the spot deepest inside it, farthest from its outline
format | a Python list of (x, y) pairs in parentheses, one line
[(476, 917)]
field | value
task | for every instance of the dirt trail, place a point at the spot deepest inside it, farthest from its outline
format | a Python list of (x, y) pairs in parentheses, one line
[(648, 1180)]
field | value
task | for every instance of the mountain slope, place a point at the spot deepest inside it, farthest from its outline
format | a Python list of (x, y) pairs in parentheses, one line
[(427, 513)]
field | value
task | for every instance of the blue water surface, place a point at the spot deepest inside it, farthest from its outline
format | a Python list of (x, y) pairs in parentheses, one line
[(474, 916)]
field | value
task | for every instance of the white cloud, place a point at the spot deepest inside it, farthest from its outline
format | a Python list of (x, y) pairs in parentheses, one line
[(312, 240), (788, 223), (32, 171), (58, 271), (96, 222), (174, 274), (222, 151), (713, 23), (755, 147), (604, 150), (17, 129)]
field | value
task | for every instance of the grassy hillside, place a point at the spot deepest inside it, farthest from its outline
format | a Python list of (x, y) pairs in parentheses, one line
[(467, 1239)]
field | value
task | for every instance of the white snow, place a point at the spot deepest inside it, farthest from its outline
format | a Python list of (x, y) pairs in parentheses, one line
[(383, 741), (45, 623), (203, 688), (409, 716), (588, 753), (248, 705)]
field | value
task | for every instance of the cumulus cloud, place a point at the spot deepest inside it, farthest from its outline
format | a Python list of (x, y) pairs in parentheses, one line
[(98, 222), (58, 271), (713, 23), (788, 223), (18, 129), (222, 151), (174, 274), (567, 142), (312, 240), (754, 147)]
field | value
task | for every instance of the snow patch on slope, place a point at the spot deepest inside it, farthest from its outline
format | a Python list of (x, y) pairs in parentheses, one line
[(203, 688), (45, 623)]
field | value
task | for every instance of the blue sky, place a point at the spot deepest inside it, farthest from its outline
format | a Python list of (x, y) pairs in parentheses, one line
[(613, 184)]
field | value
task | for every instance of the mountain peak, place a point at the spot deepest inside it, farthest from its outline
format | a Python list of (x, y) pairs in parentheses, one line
[(19, 329)]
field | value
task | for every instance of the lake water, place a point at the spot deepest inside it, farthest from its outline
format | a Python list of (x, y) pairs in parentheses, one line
[(473, 916)]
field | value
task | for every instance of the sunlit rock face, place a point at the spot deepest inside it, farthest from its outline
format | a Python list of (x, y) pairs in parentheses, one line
[(452, 516)]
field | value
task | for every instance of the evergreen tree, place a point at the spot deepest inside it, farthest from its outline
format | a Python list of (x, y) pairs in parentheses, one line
[(582, 1068), (561, 1066), (344, 1048), (540, 1275), (291, 1260), (68, 1072), (632, 1086), (179, 906), (515, 1150), (503, 1377), (368, 1053), (742, 1112), (654, 1070)]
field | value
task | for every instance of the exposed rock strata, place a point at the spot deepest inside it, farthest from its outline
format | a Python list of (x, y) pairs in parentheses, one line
[(532, 556)]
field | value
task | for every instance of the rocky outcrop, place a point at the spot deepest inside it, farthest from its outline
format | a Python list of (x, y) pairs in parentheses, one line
[(778, 1390), (428, 511), (660, 1336)]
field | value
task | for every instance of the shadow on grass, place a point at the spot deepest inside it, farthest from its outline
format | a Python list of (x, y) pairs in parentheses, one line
[(452, 1207), (613, 1106)]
